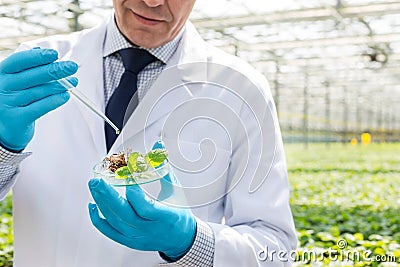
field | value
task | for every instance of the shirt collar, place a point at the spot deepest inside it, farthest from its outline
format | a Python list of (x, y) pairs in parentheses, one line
[(115, 41)]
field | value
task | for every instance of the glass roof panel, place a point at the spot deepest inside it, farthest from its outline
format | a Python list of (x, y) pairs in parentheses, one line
[(351, 47)]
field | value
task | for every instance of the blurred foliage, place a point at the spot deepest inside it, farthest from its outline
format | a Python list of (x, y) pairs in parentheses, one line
[(350, 193), (6, 235), (338, 192)]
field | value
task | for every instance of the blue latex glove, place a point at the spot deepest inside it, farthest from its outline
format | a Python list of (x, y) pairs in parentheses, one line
[(28, 90), (141, 223)]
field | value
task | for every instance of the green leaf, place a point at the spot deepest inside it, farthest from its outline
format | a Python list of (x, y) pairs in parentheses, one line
[(335, 231), (156, 157), (137, 163), (380, 251), (122, 173), (359, 236)]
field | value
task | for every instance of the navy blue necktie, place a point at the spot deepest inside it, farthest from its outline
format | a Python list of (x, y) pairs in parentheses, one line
[(134, 60)]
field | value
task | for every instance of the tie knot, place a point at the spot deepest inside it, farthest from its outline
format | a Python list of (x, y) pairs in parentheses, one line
[(136, 59)]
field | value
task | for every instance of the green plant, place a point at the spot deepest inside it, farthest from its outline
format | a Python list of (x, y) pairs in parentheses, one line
[(350, 193), (6, 235)]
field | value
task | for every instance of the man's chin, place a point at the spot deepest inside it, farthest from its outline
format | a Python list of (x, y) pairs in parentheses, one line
[(145, 39)]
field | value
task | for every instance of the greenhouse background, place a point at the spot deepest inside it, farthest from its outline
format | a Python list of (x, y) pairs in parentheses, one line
[(334, 71), (333, 65)]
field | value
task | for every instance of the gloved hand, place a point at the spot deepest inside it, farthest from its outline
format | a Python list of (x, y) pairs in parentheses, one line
[(141, 223), (28, 90)]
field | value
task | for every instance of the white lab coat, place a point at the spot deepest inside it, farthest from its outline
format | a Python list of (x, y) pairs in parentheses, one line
[(50, 197)]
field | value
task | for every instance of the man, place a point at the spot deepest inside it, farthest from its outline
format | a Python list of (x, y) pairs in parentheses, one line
[(229, 224)]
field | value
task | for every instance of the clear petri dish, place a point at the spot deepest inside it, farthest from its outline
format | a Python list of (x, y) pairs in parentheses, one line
[(101, 170)]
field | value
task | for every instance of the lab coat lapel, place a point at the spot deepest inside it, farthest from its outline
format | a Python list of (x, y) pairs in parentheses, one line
[(192, 48), (88, 54)]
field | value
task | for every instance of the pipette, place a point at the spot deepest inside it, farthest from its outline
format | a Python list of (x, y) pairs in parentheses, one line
[(71, 88)]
